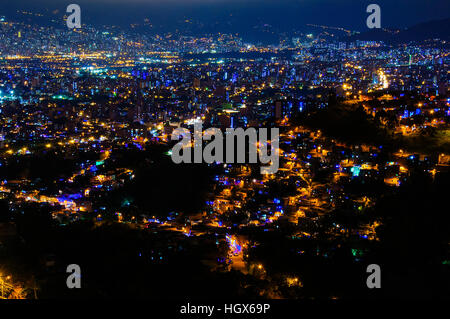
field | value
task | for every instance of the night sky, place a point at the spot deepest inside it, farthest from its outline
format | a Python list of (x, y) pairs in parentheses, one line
[(241, 14)]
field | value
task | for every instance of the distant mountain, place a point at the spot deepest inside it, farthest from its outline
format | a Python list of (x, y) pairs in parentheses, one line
[(437, 29)]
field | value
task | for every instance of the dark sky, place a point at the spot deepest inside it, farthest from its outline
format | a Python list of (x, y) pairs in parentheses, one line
[(283, 14)]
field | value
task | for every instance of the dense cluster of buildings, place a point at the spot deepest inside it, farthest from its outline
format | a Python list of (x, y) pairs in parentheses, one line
[(79, 95)]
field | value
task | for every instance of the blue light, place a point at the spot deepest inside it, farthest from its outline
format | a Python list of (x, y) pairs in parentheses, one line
[(355, 170)]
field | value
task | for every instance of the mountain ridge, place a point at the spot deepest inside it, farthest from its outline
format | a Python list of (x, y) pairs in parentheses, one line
[(435, 29)]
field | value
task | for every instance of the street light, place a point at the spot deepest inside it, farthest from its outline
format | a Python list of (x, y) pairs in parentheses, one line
[(2, 283)]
